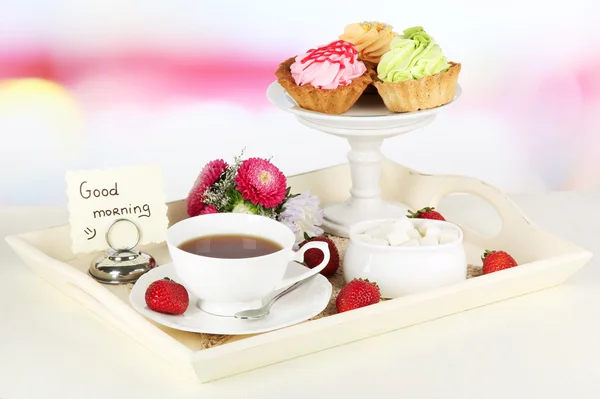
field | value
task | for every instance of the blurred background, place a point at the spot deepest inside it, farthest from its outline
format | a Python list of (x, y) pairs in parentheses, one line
[(100, 83)]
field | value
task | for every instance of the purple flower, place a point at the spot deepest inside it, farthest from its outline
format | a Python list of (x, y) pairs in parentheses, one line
[(303, 215)]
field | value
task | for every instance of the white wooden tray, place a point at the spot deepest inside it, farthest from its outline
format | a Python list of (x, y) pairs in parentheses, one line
[(545, 261)]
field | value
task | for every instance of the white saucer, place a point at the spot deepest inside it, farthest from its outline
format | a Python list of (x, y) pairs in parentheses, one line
[(299, 305), (369, 112)]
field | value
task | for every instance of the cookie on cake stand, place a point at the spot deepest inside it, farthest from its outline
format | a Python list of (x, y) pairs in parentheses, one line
[(366, 125)]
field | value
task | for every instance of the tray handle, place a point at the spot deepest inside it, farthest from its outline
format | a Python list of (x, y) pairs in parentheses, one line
[(433, 188)]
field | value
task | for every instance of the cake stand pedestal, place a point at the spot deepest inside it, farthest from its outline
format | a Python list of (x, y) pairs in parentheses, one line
[(365, 158), (366, 125)]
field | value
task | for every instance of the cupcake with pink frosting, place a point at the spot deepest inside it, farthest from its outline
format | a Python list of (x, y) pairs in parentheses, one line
[(328, 79)]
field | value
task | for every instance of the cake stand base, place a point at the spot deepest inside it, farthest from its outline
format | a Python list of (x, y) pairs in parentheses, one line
[(340, 217)]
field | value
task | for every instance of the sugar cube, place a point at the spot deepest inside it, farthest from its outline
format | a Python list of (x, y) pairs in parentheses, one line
[(428, 241), (413, 234), (397, 237), (433, 231), (402, 224), (411, 243), (448, 235), (424, 226), (380, 231)]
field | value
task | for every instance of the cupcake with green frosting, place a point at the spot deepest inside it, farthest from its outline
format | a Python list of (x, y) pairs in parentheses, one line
[(414, 74)]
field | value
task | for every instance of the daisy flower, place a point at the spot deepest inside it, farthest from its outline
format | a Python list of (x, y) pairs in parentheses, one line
[(261, 182)]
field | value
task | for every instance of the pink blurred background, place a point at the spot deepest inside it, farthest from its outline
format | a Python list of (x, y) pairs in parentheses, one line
[(105, 83)]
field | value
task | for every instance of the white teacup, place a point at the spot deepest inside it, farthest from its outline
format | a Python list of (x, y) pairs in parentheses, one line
[(227, 286)]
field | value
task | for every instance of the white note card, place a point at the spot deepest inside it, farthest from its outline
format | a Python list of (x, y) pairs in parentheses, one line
[(97, 198)]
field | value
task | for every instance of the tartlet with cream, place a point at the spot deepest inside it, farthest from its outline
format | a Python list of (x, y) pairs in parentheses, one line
[(328, 79), (371, 39), (414, 74)]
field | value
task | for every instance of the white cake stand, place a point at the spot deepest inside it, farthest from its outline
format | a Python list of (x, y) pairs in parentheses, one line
[(365, 126)]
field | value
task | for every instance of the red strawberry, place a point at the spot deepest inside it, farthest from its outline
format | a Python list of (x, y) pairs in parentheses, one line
[(313, 257), (494, 261), (426, 213), (357, 294), (167, 296)]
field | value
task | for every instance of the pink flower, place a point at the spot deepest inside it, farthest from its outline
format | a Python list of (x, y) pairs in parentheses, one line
[(261, 182), (207, 209), (207, 177)]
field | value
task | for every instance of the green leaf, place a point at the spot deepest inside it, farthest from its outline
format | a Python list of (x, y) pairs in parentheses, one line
[(246, 207), (236, 196)]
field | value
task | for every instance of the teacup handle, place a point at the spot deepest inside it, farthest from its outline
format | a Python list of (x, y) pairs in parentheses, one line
[(299, 257)]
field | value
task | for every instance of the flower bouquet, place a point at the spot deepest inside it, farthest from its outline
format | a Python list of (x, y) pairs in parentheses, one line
[(255, 186)]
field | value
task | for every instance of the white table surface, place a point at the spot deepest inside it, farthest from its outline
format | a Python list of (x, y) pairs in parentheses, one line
[(542, 345)]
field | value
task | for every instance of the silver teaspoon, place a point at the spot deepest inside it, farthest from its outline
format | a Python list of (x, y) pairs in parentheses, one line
[(253, 314)]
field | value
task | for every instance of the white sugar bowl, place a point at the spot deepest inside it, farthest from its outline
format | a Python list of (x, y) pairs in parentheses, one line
[(405, 256)]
